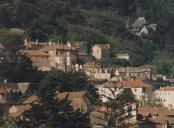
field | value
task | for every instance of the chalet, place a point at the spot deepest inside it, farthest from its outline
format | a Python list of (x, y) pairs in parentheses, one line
[(140, 27)]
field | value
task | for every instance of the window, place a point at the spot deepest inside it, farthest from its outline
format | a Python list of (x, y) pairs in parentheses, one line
[(135, 90)]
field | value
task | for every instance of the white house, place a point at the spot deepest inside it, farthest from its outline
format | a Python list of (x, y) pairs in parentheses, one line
[(139, 89), (99, 73), (110, 90), (165, 96)]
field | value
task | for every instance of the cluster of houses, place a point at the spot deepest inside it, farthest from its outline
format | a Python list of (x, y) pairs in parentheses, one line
[(153, 106), (63, 56)]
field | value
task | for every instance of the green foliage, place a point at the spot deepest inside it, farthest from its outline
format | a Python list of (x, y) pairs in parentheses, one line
[(14, 66), (106, 62), (52, 112), (57, 80), (99, 21), (118, 105), (164, 63), (8, 123), (65, 81), (150, 100), (13, 42)]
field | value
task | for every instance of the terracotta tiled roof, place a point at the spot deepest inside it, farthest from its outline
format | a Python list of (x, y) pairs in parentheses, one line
[(16, 111), (162, 114), (76, 98), (162, 119), (148, 66), (35, 53), (32, 99), (135, 84), (3, 90), (166, 88), (145, 111), (128, 84)]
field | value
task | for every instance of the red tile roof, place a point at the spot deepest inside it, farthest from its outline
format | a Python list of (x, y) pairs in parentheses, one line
[(166, 88), (162, 114), (35, 53), (3, 90), (128, 84)]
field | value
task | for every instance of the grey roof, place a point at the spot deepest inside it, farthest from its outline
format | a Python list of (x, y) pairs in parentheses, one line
[(152, 26), (139, 23)]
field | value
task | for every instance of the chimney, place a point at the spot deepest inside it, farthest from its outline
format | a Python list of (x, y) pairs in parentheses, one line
[(25, 41), (5, 81), (49, 42), (37, 42)]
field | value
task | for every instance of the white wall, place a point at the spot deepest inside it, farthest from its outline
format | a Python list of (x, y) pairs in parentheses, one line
[(165, 97)]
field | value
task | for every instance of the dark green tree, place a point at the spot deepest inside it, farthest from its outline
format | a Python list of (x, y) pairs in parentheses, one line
[(119, 107)]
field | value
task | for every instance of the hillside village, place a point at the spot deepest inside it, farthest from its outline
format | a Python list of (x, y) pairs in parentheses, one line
[(86, 64), (153, 92)]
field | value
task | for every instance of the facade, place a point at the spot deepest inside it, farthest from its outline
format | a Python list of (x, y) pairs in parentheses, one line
[(129, 72), (108, 91), (123, 56), (53, 55), (3, 97), (39, 58), (139, 89), (99, 73), (165, 96), (100, 51)]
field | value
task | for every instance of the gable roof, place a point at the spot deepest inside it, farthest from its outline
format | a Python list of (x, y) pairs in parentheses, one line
[(3, 90), (166, 88), (35, 53), (127, 84), (31, 99), (163, 114), (137, 25), (16, 111)]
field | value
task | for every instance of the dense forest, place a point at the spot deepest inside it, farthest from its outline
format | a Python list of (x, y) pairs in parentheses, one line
[(98, 21)]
